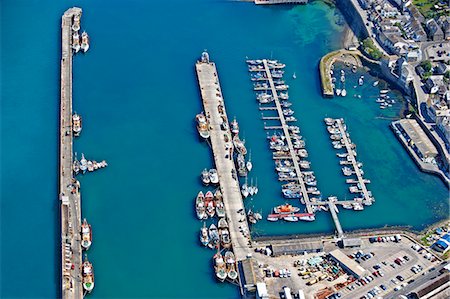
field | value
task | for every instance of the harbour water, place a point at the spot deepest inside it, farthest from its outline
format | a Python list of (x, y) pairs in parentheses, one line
[(137, 93)]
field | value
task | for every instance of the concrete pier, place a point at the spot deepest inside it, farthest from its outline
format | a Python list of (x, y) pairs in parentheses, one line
[(284, 127), (337, 223), (352, 159), (69, 195), (212, 97)]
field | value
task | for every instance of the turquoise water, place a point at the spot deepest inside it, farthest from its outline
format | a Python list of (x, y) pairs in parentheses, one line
[(137, 93)]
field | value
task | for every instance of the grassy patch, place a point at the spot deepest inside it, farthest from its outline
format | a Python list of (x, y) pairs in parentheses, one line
[(426, 8)]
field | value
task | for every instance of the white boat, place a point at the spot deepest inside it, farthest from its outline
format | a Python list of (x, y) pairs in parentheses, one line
[(222, 223), (76, 42), (83, 163), (375, 83), (205, 177), (213, 177), (76, 124), (249, 164), (200, 206), (234, 126), (220, 267), (84, 41), (204, 238), (76, 165), (90, 166), (255, 188), (88, 276), (344, 92), (244, 190), (213, 233), (338, 91), (291, 218), (272, 219), (86, 235), (294, 76), (310, 217)]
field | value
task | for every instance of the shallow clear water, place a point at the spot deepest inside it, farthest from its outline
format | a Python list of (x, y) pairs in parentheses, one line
[(137, 92)]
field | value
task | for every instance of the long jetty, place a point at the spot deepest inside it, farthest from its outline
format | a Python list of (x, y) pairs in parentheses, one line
[(229, 185), (69, 194), (284, 127), (352, 159)]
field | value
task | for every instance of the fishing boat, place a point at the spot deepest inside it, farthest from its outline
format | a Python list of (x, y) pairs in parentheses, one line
[(76, 22), (234, 126), (213, 234), (231, 272), (88, 276), (213, 177), (86, 235), (239, 145), (225, 238), (76, 124), (287, 208), (84, 41), (222, 223), (76, 165), (203, 130), (200, 206), (210, 208), (204, 238), (83, 163), (220, 267), (220, 208), (205, 177), (76, 42)]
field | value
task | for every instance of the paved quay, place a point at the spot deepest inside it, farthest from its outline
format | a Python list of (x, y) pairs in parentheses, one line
[(284, 127), (69, 195), (212, 97)]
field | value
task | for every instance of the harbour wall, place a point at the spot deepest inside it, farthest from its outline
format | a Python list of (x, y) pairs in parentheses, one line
[(353, 18), (422, 166)]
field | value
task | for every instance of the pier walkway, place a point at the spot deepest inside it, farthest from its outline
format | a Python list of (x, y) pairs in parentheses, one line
[(335, 217), (69, 195), (284, 127), (229, 185), (352, 159)]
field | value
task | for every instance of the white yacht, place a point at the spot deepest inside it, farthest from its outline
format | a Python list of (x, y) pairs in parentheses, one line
[(84, 41)]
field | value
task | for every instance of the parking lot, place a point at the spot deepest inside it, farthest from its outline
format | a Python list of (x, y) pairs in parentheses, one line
[(438, 51), (390, 267)]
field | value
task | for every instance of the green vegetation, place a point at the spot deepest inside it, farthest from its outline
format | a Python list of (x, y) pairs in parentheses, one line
[(446, 255), (426, 65), (370, 49), (424, 238), (427, 9), (447, 75)]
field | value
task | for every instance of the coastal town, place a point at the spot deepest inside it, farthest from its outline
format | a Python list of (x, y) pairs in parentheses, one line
[(410, 51), (409, 47)]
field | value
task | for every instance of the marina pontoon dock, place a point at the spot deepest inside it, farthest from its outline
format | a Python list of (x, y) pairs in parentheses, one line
[(212, 98), (69, 195), (351, 158), (284, 126)]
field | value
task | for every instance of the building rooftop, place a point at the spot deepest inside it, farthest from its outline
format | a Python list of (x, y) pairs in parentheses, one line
[(347, 262), (418, 136)]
